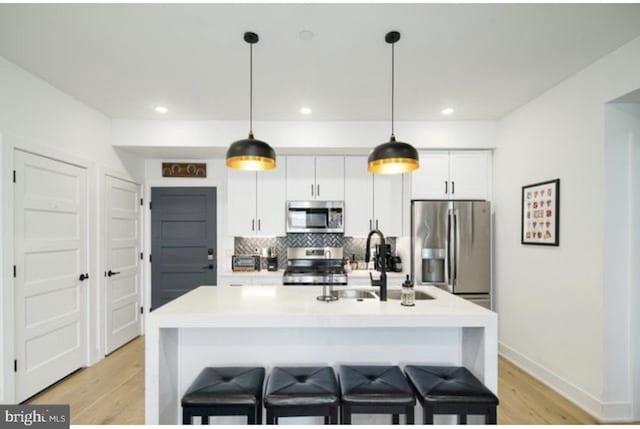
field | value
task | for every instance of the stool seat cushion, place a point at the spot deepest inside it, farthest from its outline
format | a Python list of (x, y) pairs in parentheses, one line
[(374, 384), (301, 386), (450, 384), (225, 386)]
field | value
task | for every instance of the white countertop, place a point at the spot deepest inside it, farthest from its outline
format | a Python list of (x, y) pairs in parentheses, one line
[(265, 273), (287, 306)]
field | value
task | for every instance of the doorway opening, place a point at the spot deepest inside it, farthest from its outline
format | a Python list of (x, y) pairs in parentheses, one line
[(622, 253)]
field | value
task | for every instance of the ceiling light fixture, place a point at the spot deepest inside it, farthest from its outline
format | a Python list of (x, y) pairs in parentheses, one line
[(447, 111), (161, 109), (306, 110), (393, 157), (250, 153)]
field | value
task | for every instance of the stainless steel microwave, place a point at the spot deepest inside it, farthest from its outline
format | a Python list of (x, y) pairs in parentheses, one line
[(315, 216)]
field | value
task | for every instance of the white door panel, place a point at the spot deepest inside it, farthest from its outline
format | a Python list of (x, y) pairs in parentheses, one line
[(50, 227), (387, 208), (358, 197), (330, 178), (271, 201), (431, 180), (122, 256), (301, 178), (241, 203), (469, 173)]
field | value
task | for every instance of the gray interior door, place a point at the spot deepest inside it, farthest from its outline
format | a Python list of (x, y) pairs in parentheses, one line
[(183, 241)]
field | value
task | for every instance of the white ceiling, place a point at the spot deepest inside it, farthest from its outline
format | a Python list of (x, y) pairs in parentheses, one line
[(483, 60)]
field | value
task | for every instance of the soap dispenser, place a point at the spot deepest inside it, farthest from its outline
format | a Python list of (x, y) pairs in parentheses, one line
[(408, 293)]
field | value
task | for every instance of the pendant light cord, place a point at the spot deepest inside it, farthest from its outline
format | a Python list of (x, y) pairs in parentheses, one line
[(250, 90), (393, 82)]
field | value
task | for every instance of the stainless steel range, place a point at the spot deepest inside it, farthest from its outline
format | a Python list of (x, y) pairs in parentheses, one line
[(314, 266)]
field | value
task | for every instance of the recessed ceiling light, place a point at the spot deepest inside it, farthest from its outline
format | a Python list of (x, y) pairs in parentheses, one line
[(306, 35), (306, 110), (161, 109), (447, 111)]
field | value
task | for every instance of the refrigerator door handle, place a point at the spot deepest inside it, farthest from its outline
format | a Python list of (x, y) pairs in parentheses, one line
[(451, 248), (447, 253), (456, 216)]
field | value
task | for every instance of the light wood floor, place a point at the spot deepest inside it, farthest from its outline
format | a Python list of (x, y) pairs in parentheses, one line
[(112, 392)]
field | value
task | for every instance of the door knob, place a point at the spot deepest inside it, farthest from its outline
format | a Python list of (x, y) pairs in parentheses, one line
[(112, 273), (84, 277), (208, 267)]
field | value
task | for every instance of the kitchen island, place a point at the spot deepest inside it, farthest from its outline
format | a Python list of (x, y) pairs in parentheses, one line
[(276, 325)]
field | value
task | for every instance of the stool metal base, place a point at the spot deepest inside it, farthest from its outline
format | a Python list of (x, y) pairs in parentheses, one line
[(347, 410), (253, 413), (330, 413)]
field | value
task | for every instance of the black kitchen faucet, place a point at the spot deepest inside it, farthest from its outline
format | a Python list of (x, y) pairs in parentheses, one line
[(382, 282)]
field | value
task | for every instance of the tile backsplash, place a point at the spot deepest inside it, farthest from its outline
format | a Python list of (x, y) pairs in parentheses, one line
[(351, 245)]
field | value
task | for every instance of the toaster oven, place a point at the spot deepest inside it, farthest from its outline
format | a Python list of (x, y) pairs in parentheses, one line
[(245, 263)]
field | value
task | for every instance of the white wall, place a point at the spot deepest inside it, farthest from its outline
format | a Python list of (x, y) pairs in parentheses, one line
[(37, 117), (634, 283), (550, 299), (305, 134)]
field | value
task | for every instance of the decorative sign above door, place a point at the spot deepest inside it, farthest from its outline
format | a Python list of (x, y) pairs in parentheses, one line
[(184, 169)]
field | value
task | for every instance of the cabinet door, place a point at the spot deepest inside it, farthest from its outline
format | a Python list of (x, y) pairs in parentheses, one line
[(387, 203), (358, 197), (469, 174), (330, 178), (431, 180), (301, 178), (241, 202), (271, 197)]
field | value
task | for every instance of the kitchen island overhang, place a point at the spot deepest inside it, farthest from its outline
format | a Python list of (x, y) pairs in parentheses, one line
[(275, 325)]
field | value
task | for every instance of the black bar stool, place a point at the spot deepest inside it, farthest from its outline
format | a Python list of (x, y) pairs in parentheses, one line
[(451, 390), (375, 389), (230, 391), (302, 391)]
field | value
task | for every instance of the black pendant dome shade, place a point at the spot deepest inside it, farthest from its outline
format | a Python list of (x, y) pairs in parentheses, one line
[(393, 157), (250, 153)]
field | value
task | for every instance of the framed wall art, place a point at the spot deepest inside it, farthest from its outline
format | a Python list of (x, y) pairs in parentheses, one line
[(541, 213), (184, 169)]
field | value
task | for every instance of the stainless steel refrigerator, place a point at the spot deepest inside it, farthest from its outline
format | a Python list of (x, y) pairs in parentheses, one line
[(451, 247)]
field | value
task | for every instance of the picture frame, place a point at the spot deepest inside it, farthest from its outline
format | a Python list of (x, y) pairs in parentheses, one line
[(540, 214)]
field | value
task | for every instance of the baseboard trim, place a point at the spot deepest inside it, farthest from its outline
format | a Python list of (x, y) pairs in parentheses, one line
[(604, 412)]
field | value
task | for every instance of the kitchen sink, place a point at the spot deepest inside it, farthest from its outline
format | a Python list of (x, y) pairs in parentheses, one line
[(397, 294), (353, 294)]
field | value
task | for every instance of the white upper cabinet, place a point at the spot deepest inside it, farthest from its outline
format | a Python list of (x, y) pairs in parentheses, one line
[(387, 203), (371, 201), (301, 178), (256, 202), (271, 198), (330, 178), (241, 202), (315, 178), (358, 197), (431, 180), (469, 173), (453, 175)]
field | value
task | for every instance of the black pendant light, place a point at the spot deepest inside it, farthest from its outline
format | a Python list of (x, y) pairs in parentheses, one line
[(393, 156), (249, 153)]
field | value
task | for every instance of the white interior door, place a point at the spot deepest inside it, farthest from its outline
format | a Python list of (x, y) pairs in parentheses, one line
[(50, 230), (122, 262)]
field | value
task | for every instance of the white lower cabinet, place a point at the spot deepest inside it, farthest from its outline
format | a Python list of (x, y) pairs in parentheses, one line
[(256, 202), (371, 201)]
